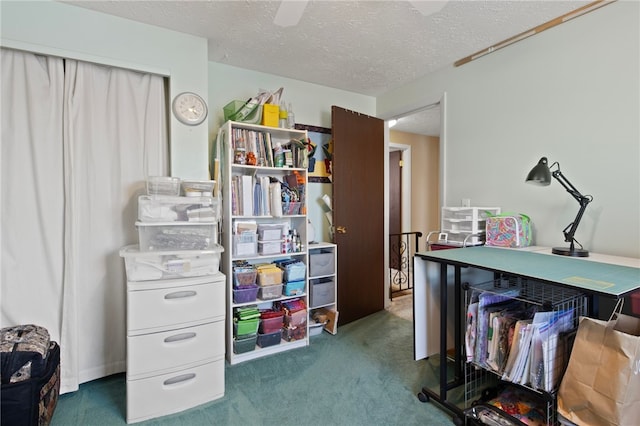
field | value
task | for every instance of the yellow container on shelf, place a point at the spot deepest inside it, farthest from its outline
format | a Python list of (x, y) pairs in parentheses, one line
[(270, 115)]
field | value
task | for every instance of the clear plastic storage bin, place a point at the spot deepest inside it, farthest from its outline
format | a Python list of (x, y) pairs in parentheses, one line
[(243, 345), (147, 266), (245, 294), (163, 185), (269, 247), (271, 325), (198, 188), (270, 231), (294, 271), (177, 235), (269, 339), (153, 208), (244, 277), (270, 276), (270, 292), (294, 288), (245, 244)]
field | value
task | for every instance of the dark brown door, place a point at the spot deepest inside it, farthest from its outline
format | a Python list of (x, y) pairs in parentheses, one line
[(395, 208), (358, 212)]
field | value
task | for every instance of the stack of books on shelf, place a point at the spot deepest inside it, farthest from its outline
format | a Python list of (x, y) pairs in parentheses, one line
[(256, 148), (267, 196)]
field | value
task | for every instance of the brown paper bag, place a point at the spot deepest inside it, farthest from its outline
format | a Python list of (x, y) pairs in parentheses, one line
[(602, 383)]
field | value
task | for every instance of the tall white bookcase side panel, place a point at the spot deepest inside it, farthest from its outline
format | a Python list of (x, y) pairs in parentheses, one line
[(323, 282), (252, 197)]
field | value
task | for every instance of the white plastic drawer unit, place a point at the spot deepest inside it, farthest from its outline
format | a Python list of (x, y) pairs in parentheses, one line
[(156, 305), (158, 353), (173, 392), (464, 226)]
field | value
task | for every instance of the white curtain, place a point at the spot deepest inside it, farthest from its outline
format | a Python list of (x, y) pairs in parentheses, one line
[(110, 136)]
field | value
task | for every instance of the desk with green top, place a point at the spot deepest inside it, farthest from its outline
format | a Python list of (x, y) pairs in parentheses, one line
[(598, 275)]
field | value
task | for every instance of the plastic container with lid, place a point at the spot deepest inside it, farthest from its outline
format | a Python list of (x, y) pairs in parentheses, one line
[(163, 185), (169, 236), (147, 266), (198, 188)]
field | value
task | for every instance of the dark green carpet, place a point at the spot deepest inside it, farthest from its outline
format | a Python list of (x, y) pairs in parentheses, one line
[(364, 375)]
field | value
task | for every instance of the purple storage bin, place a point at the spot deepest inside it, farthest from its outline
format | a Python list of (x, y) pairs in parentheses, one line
[(245, 293)]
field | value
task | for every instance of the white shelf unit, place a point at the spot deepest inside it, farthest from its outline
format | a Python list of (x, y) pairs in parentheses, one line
[(323, 279), (231, 216), (465, 226)]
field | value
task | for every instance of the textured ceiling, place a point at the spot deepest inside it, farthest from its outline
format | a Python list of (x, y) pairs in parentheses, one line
[(366, 47)]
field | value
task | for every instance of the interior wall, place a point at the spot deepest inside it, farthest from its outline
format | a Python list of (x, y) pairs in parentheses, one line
[(311, 105), (425, 156), (570, 93), (58, 29)]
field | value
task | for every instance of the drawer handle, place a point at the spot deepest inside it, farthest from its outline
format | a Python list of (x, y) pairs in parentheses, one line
[(179, 379), (180, 294), (178, 337)]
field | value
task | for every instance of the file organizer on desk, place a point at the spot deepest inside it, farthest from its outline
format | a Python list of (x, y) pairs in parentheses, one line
[(460, 227)]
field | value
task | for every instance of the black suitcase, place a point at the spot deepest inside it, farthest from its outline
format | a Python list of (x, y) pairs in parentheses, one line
[(30, 376)]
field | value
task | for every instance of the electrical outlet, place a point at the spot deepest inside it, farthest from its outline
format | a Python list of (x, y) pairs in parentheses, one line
[(466, 202)]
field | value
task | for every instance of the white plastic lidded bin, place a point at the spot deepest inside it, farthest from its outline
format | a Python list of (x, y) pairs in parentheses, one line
[(197, 188), (165, 236), (270, 231), (179, 209), (163, 185), (147, 266)]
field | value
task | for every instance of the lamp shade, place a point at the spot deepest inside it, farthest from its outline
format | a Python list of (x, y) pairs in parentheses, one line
[(540, 174)]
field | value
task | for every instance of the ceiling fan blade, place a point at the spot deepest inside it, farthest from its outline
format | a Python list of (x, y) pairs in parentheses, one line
[(290, 12), (428, 7)]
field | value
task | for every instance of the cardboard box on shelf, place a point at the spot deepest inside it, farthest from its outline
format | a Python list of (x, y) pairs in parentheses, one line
[(331, 316)]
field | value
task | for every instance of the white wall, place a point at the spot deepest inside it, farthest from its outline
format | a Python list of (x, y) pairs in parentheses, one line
[(571, 93), (311, 104), (61, 30)]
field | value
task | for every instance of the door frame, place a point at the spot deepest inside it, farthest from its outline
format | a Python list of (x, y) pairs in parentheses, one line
[(442, 101), (405, 156)]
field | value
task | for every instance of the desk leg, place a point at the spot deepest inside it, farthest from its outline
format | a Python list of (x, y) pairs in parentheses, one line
[(443, 331), (458, 342), (445, 385)]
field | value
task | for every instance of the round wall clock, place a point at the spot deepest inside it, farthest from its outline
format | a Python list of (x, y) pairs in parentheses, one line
[(189, 108)]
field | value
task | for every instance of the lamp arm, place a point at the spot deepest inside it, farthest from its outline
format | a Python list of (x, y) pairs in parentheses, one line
[(583, 200)]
